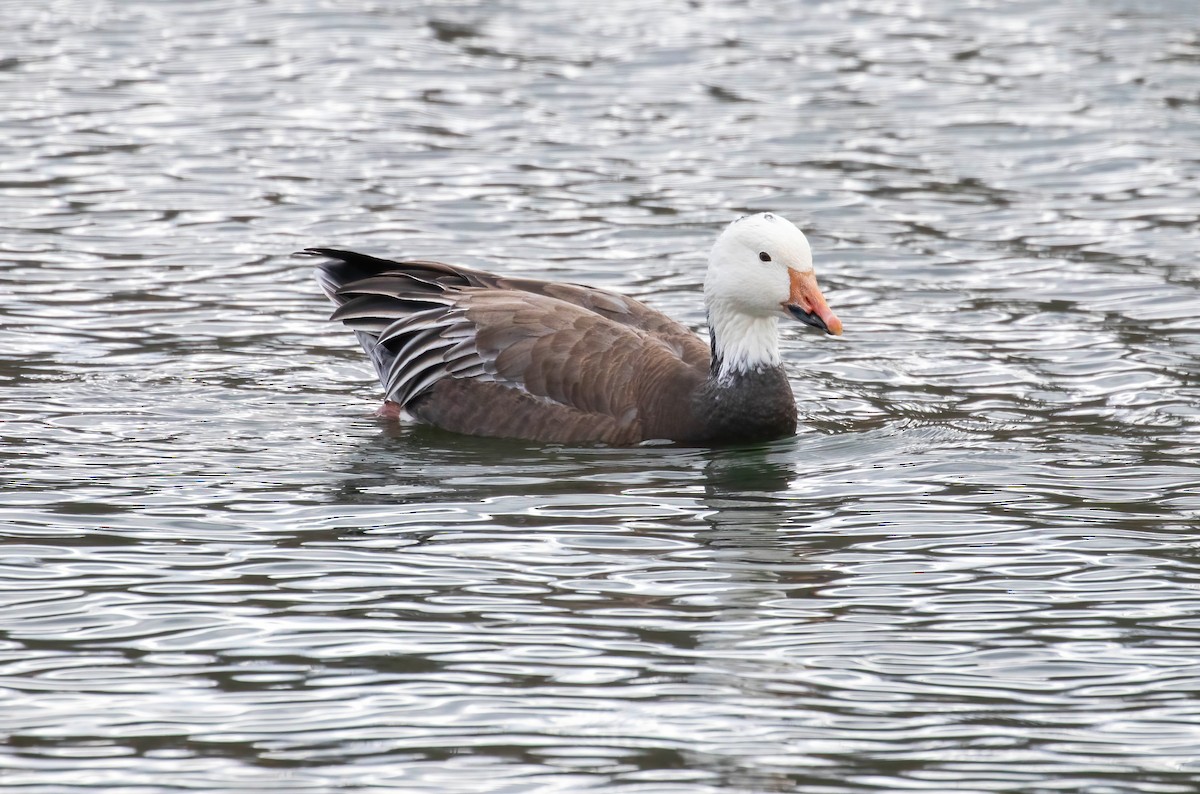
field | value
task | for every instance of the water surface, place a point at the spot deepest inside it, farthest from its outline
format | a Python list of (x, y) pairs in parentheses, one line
[(975, 568)]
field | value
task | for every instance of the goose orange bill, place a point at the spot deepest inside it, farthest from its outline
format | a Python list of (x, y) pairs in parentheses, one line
[(807, 304)]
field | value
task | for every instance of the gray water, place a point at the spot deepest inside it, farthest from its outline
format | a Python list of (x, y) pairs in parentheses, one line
[(975, 569)]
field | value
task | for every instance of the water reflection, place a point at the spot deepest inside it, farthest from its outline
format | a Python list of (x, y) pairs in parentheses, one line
[(972, 571)]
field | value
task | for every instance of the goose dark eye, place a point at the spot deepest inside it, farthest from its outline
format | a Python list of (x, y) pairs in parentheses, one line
[(764, 256)]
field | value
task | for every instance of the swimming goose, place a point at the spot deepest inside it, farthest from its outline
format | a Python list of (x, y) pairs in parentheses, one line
[(489, 355)]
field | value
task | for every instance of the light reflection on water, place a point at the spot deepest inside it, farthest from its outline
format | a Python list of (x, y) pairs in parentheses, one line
[(973, 571)]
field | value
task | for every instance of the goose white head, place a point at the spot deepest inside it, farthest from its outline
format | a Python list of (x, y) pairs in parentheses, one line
[(759, 270)]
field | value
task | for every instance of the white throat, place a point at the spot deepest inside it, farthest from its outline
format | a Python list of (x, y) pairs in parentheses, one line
[(741, 342)]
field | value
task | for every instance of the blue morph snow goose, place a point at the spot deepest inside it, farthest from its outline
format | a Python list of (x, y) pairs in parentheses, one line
[(488, 355)]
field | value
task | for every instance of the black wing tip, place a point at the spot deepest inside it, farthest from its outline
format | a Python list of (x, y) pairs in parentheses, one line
[(330, 253), (343, 267)]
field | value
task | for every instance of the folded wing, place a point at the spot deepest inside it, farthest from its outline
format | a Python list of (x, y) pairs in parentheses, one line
[(488, 355)]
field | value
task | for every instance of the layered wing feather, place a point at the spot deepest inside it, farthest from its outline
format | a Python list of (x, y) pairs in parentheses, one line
[(489, 355)]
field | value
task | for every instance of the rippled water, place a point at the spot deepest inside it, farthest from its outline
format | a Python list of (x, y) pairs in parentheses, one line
[(976, 568)]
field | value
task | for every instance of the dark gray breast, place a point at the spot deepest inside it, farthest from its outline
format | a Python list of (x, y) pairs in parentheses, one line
[(744, 407)]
